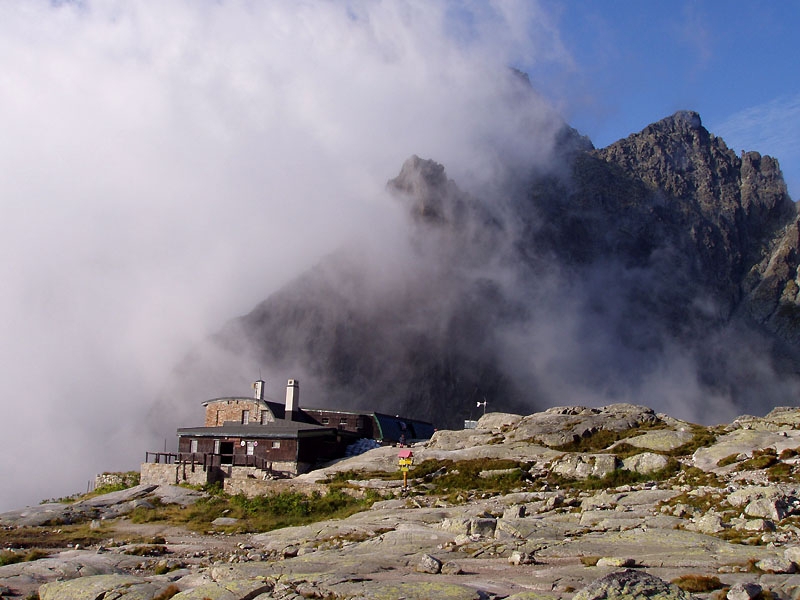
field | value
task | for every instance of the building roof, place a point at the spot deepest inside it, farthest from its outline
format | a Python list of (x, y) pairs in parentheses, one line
[(280, 428)]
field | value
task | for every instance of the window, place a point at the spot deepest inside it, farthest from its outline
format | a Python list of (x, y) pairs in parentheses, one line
[(216, 446), (276, 444), (264, 417), (250, 448), (193, 446), (245, 417), (343, 421), (325, 420)]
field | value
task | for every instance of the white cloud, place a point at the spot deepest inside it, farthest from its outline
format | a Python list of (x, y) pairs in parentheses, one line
[(168, 164)]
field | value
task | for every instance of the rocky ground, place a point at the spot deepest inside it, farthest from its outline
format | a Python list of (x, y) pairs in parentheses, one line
[(610, 502)]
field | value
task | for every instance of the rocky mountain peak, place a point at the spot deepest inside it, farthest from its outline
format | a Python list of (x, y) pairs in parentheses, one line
[(663, 265), (424, 186)]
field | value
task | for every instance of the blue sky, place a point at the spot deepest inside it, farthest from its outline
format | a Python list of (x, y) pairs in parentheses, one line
[(626, 64)]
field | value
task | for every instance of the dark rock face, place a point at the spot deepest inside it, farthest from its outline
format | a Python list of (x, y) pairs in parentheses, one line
[(660, 270)]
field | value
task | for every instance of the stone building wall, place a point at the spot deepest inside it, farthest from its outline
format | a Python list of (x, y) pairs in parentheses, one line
[(218, 412)]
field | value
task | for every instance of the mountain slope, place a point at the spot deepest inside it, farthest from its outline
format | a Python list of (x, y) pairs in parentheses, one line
[(661, 269)]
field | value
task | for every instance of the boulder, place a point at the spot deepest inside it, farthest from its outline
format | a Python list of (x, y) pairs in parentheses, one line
[(776, 564), (119, 497), (616, 561), (99, 586), (581, 466), (663, 440), (451, 568), (429, 564), (743, 441), (483, 526), (497, 421), (767, 508), (646, 462), (792, 553), (743, 591), (520, 558), (630, 584), (565, 424), (709, 523)]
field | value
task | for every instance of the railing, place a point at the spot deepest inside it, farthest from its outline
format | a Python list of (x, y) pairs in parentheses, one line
[(209, 460), (167, 458)]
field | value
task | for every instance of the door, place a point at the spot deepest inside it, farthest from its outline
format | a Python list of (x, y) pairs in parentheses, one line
[(226, 450)]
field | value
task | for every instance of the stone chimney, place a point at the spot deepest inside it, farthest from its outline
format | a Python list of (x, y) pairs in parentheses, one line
[(292, 399), (258, 387)]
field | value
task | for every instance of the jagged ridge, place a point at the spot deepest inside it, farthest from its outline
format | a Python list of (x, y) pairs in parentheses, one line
[(663, 265)]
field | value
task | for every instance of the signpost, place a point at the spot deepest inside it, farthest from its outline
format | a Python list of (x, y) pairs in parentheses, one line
[(405, 459)]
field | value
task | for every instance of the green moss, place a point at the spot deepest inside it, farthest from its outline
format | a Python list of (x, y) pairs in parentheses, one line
[(697, 478), (728, 460), (762, 459), (782, 472)]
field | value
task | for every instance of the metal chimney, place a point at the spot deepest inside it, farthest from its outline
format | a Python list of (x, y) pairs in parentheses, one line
[(258, 386), (292, 399)]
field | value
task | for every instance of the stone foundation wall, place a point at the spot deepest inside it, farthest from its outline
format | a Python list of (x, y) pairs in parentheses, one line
[(235, 480), (161, 474), (128, 479)]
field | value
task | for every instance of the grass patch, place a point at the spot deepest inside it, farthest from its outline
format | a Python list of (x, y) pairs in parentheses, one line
[(625, 450), (781, 472), (762, 459), (616, 478), (258, 514), (598, 440), (699, 478), (590, 561), (9, 557), (728, 460), (50, 537), (449, 478), (703, 437), (698, 583)]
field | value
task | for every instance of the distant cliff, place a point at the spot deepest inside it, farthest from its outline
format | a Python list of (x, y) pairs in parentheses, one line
[(661, 269)]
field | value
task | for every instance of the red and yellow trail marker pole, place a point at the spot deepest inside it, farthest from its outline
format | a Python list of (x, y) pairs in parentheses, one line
[(405, 458)]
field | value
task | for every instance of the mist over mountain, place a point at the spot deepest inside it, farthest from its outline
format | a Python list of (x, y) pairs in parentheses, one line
[(660, 270)]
